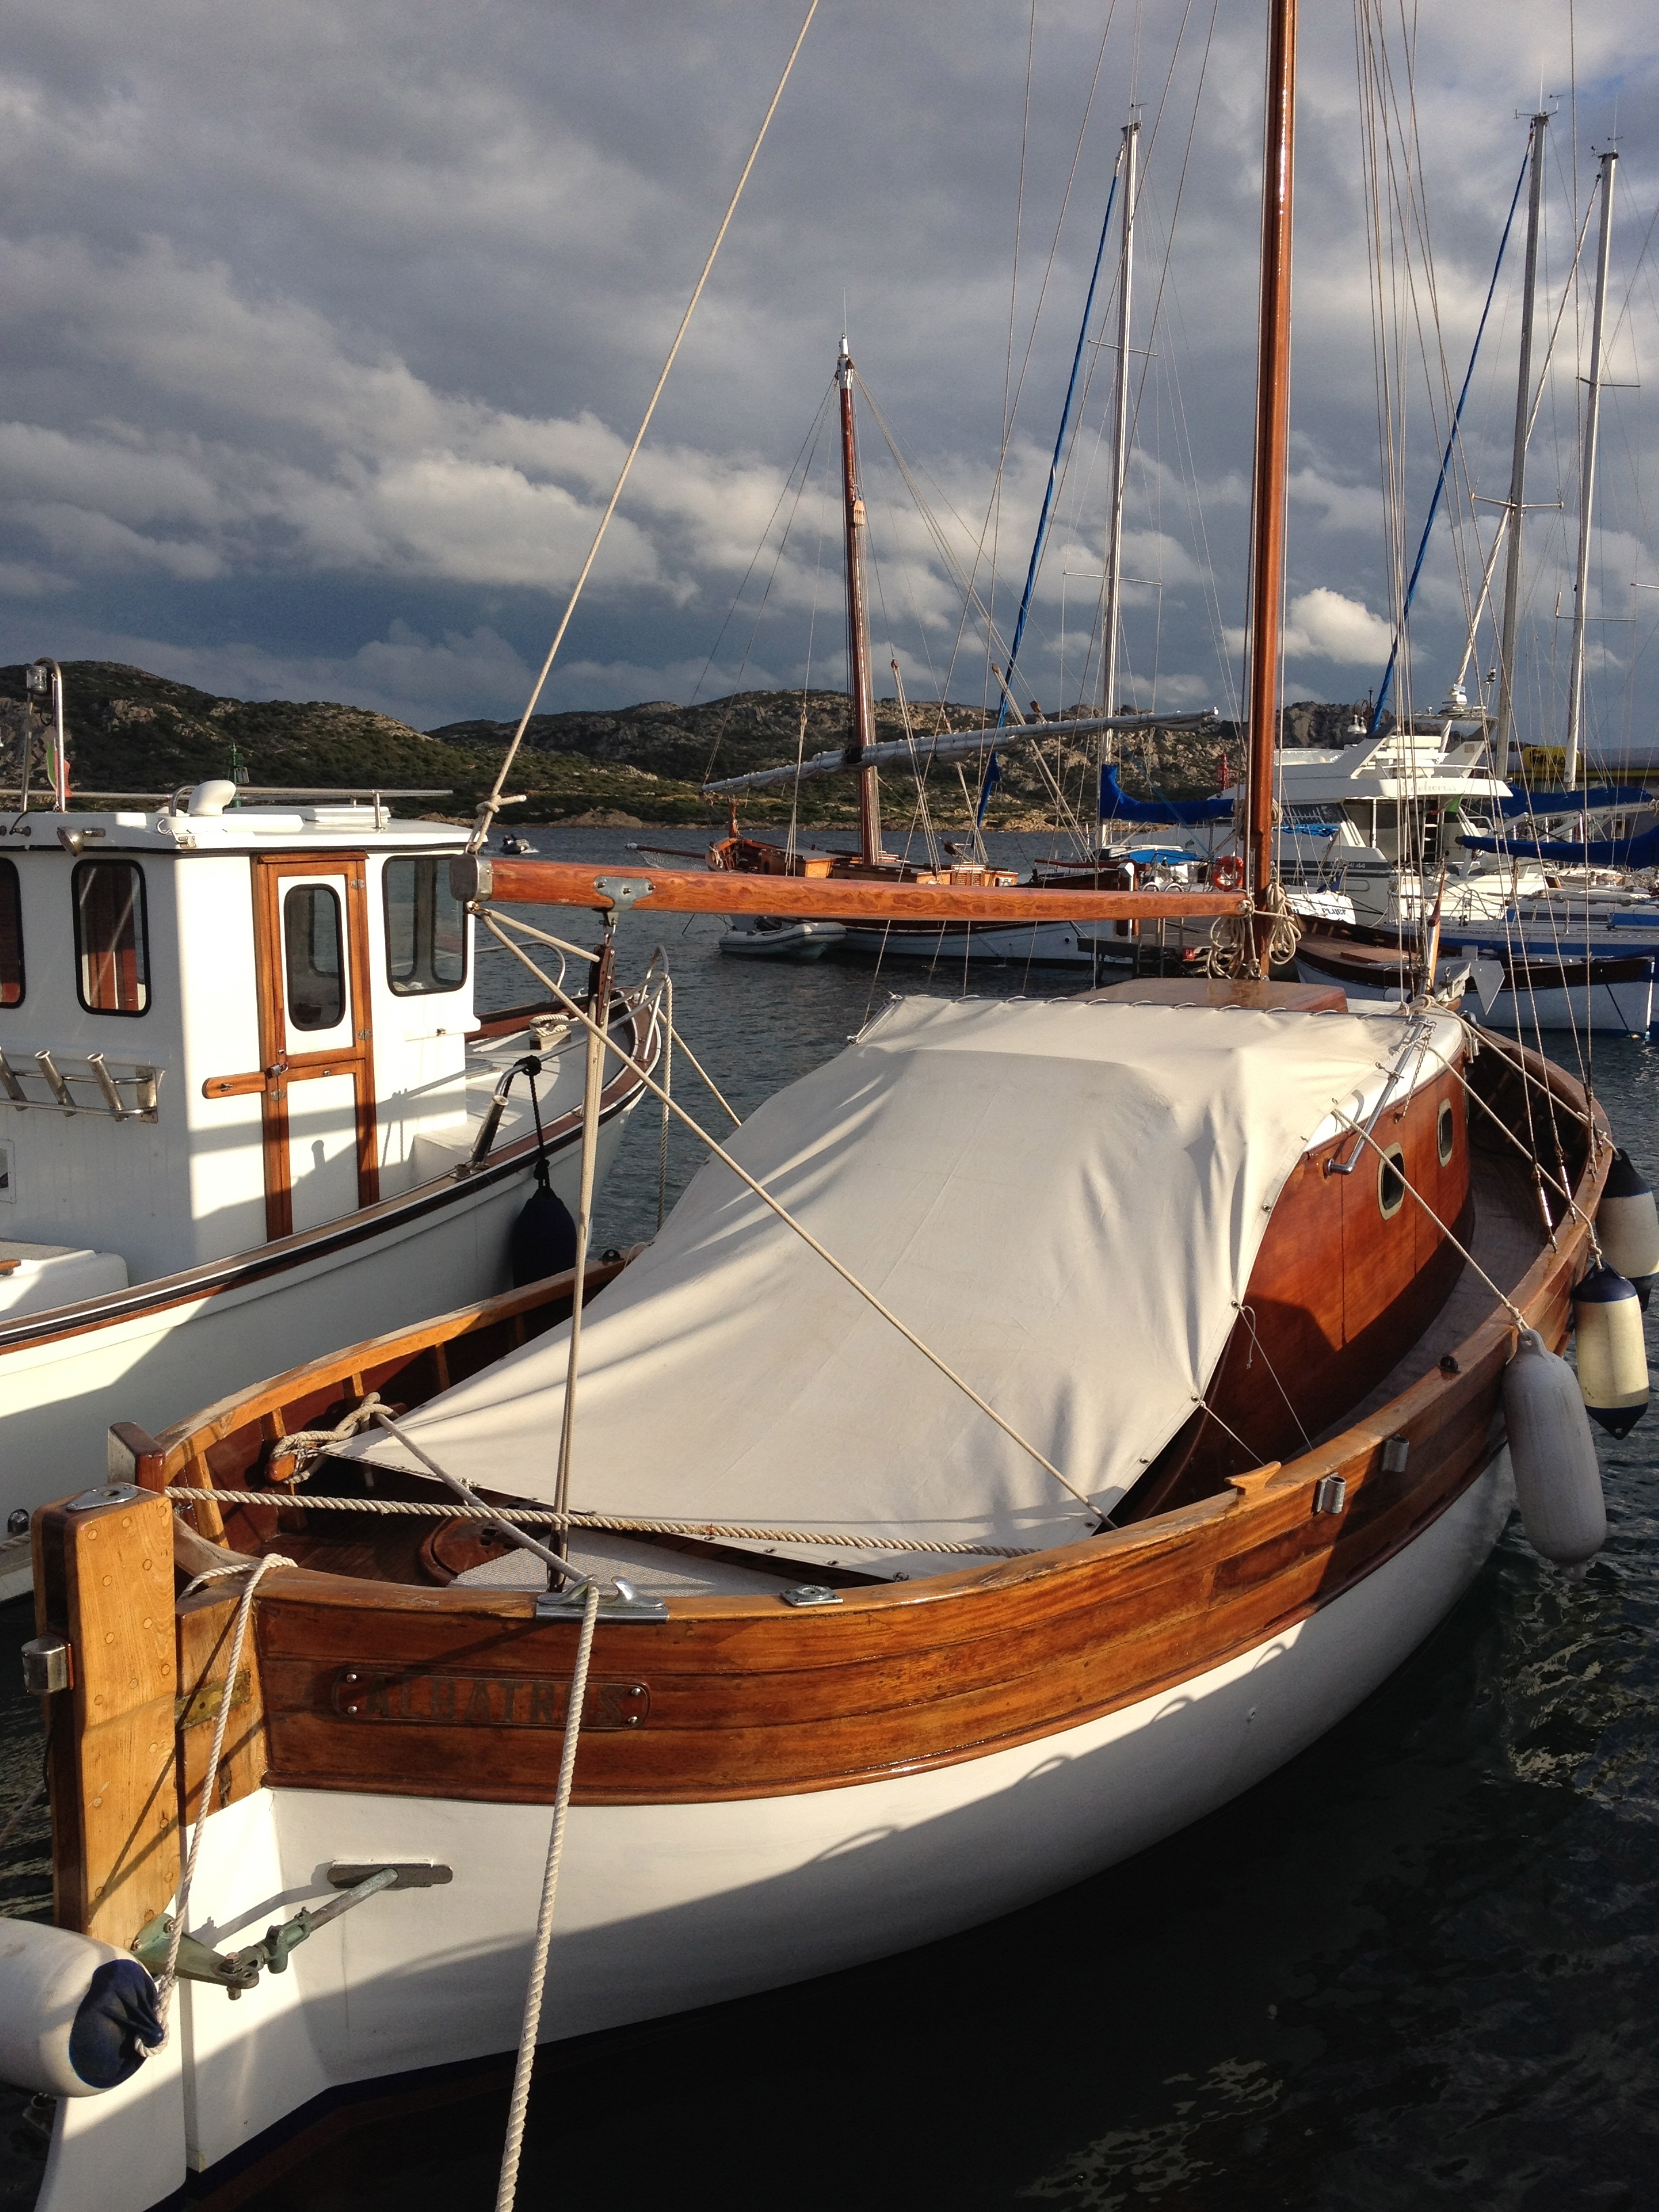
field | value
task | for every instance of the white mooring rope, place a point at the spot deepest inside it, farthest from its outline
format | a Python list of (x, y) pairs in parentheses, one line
[(167, 1979), (520, 2105)]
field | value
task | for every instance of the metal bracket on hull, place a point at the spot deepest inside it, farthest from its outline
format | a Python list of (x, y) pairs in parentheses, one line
[(626, 1604), (241, 1970)]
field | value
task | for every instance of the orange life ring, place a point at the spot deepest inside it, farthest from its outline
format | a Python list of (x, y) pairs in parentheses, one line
[(1227, 874)]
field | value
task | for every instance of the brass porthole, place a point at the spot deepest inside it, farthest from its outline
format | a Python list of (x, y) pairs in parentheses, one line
[(1391, 1182), (1445, 1132)]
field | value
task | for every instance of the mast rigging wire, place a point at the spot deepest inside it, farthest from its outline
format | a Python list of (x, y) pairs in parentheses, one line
[(1446, 457), (492, 805)]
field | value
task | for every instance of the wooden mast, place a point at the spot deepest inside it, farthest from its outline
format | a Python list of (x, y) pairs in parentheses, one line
[(1272, 431), (859, 677)]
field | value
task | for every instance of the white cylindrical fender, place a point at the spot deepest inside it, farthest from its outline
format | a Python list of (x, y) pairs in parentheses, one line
[(1627, 1223), (76, 2016), (1612, 1353), (1557, 1483)]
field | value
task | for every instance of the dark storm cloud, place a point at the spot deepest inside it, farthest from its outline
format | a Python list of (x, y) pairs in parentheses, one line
[(327, 327)]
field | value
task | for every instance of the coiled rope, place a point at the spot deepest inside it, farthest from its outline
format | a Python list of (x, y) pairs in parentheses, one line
[(575, 1522), (312, 1443), (1234, 948)]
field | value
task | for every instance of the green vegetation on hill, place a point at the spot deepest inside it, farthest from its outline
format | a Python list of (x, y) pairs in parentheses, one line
[(133, 733)]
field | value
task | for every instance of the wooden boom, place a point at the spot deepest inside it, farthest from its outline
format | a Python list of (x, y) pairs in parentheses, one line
[(696, 890)]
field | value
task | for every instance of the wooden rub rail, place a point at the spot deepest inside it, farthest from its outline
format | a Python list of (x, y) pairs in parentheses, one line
[(696, 890)]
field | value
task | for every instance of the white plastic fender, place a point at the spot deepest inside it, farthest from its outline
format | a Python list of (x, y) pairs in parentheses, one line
[(1557, 1483), (1613, 1352), (1627, 1223), (76, 2014)]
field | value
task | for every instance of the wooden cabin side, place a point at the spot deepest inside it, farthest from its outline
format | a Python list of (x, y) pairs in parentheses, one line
[(1353, 1270)]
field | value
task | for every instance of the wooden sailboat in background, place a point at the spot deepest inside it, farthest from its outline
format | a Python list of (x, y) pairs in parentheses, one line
[(922, 929), (890, 1590)]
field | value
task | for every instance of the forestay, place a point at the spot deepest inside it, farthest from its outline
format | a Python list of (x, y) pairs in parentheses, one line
[(1062, 1199)]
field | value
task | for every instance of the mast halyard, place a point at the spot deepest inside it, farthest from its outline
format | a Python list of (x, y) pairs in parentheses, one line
[(1587, 476), (1272, 446), (1513, 512), (1121, 429), (859, 674)]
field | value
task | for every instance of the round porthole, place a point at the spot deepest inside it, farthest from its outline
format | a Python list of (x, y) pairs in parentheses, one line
[(1391, 1182), (1445, 1132)]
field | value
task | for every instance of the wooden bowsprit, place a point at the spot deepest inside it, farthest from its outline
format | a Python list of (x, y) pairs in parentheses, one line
[(475, 879)]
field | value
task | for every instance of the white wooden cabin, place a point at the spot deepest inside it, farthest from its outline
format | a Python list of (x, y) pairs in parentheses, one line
[(222, 1027), (239, 1109)]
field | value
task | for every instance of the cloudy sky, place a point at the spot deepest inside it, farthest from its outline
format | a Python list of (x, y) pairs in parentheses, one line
[(325, 328)]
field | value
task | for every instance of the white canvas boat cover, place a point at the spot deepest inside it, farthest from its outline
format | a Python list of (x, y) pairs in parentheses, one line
[(1063, 1199)]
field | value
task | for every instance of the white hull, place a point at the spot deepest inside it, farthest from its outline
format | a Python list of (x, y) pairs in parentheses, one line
[(764, 938), (58, 1399), (664, 1908), (1608, 1009), (1042, 944)]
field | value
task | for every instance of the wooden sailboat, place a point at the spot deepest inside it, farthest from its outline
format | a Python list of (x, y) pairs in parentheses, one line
[(900, 1588)]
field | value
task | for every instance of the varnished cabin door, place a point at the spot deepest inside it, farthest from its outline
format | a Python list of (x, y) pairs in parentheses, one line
[(316, 1040)]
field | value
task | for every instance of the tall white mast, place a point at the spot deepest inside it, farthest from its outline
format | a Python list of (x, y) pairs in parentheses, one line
[(1586, 477), (1518, 463), (1121, 429)]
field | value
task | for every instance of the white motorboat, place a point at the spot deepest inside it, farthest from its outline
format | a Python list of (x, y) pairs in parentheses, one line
[(242, 1092), (779, 937)]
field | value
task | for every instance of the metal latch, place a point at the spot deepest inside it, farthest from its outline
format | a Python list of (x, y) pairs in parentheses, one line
[(48, 1665), (241, 1970)]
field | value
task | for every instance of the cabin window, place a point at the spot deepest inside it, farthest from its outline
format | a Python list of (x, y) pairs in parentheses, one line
[(112, 938), (311, 952), (1391, 1182), (11, 935), (1445, 1132), (425, 928)]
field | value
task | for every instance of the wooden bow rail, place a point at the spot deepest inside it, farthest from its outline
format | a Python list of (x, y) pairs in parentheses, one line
[(695, 890)]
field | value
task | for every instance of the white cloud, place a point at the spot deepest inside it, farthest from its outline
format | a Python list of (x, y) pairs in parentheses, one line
[(1325, 626), (1322, 625), (1343, 507)]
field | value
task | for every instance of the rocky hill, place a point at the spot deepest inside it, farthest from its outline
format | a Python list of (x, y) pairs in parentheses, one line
[(139, 734)]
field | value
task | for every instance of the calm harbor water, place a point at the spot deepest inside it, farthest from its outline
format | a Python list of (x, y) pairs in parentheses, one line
[(1419, 1967)]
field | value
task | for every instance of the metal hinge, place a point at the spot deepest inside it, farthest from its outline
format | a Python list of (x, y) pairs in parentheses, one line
[(623, 890)]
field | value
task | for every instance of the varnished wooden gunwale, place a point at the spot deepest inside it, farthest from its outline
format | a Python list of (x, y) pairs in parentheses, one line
[(747, 1698)]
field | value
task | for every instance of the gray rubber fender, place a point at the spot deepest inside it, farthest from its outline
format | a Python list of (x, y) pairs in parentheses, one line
[(1557, 1480), (1628, 1223), (76, 2017)]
